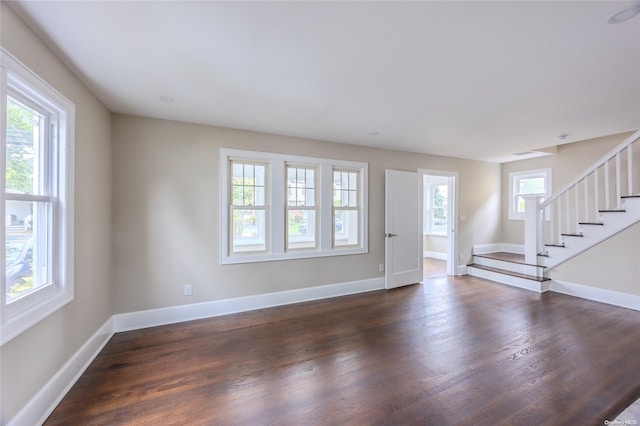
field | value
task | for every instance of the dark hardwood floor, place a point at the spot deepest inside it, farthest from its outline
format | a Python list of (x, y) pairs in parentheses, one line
[(451, 351)]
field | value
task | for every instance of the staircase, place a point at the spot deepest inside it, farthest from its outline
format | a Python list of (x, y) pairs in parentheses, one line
[(601, 202)]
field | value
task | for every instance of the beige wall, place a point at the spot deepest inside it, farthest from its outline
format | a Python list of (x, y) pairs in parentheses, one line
[(32, 358), (614, 264), (166, 213), (611, 265), (434, 243)]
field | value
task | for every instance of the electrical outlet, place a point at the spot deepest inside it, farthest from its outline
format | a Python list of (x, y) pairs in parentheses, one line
[(381, 267), (188, 290)]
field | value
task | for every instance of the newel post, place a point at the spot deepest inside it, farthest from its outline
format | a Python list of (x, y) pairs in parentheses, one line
[(531, 228)]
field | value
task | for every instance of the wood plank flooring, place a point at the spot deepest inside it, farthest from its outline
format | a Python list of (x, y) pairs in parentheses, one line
[(451, 351)]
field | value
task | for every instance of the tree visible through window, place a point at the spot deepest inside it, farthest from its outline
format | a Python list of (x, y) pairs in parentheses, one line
[(439, 209)]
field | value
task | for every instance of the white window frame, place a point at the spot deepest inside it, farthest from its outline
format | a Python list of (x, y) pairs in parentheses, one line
[(262, 207), (514, 177), (314, 208), (428, 206), (277, 205), (21, 314)]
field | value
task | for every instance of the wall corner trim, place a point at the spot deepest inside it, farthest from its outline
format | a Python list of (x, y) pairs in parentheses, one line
[(36, 411), (615, 298)]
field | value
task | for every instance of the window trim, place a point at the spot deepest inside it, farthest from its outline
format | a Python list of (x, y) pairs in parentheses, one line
[(23, 313), (513, 176), (277, 201)]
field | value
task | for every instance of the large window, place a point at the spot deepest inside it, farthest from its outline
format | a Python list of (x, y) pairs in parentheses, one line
[(37, 216), (287, 207), (532, 182)]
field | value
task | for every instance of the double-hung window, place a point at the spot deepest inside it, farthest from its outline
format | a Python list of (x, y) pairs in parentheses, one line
[(346, 207), (302, 207), (37, 192), (280, 206), (532, 182), (249, 211)]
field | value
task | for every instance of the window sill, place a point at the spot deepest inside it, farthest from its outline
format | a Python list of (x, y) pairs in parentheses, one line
[(273, 257)]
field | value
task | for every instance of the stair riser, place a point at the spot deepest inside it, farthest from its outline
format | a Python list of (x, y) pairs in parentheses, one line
[(509, 266), (523, 283)]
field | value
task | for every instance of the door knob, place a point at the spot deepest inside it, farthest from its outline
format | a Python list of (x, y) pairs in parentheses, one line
[(390, 235)]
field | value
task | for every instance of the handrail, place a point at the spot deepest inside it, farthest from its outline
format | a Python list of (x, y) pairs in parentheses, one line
[(631, 139)]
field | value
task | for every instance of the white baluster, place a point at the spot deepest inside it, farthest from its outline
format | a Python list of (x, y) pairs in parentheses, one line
[(576, 209), (606, 186), (630, 170), (596, 198), (586, 198), (568, 214), (618, 188)]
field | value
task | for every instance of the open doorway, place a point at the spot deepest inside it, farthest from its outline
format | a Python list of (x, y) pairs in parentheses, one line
[(440, 217)]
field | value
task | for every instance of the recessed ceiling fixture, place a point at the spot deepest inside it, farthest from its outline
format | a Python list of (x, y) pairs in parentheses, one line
[(562, 136), (624, 15), (166, 99), (374, 133)]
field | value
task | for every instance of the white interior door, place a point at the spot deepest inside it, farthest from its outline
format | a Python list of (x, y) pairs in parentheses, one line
[(403, 228)]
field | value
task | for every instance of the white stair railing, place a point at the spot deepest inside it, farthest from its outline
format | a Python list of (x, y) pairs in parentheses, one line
[(600, 188)]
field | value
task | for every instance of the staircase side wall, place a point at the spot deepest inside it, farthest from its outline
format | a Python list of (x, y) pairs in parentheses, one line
[(613, 264)]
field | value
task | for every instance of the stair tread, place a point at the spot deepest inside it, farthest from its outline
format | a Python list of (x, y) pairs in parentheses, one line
[(612, 211), (511, 273), (591, 223), (572, 235), (630, 196), (505, 256), (555, 245)]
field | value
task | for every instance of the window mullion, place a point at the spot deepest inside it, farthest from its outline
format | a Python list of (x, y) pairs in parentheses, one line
[(278, 203), (325, 189)]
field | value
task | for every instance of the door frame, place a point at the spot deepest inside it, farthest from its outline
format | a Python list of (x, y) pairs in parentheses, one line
[(452, 212)]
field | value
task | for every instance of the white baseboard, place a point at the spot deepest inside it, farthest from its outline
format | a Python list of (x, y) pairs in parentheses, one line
[(623, 300), (174, 314), (434, 255), (461, 270), (36, 411), (496, 247)]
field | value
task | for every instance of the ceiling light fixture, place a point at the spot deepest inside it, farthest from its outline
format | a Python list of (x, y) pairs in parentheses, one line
[(563, 136), (624, 15)]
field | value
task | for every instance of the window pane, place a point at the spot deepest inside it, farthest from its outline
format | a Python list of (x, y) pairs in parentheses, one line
[(439, 209), (300, 187), (24, 166), (248, 230), (27, 247), (531, 185), (247, 184), (346, 228), (345, 189), (301, 226)]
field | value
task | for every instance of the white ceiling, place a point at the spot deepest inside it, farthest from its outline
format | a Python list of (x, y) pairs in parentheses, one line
[(478, 80)]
